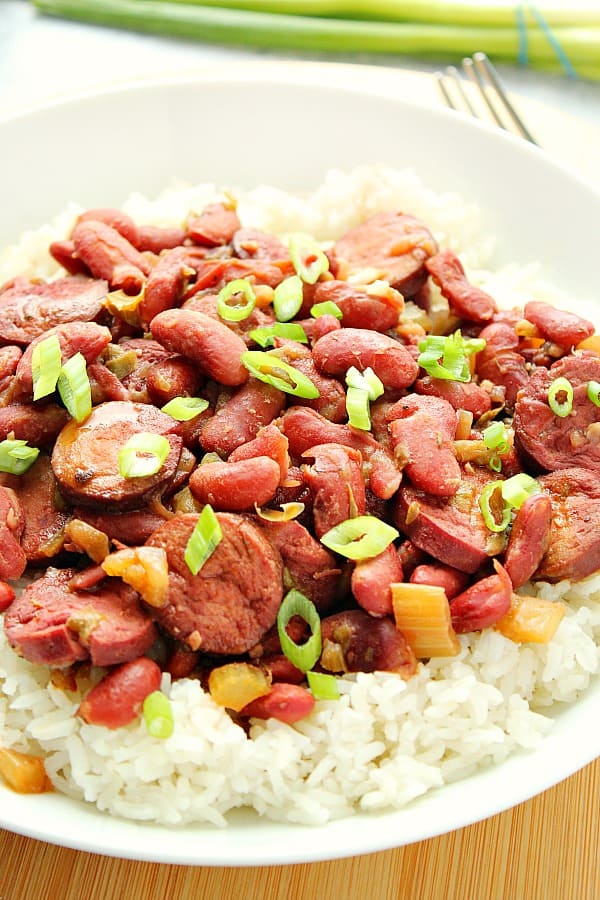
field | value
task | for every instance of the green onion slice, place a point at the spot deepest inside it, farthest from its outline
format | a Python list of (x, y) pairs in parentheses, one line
[(287, 298), (158, 715), (74, 387), (560, 386), (360, 538), (495, 437), (46, 361), (203, 541), (308, 259), (593, 392), (305, 655), (357, 407), (242, 293), (265, 335), (278, 373), (517, 489), (448, 357), (495, 463), (143, 455), (486, 509), (16, 457), (185, 408), (322, 686), (326, 308), (366, 381)]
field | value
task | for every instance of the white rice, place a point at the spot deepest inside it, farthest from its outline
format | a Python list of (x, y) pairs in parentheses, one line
[(385, 741)]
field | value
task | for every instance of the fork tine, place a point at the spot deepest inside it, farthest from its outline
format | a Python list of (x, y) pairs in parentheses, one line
[(475, 76), (485, 67)]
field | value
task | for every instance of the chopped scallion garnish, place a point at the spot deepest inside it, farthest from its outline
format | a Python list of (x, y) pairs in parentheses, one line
[(513, 492), (366, 381), (305, 655), (357, 407), (74, 387), (560, 408), (326, 308), (308, 259), (287, 298), (158, 715), (486, 509), (265, 336), (593, 392), (448, 357), (517, 489), (204, 540), (279, 374), (46, 361), (495, 437), (322, 686), (143, 455), (360, 538), (16, 457), (185, 408), (242, 293)]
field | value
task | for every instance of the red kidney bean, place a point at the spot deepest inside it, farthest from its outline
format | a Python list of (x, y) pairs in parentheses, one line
[(117, 699), (331, 401), (211, 345), (482, 604), (317, 328), (337, 351), (105, 385), (410, 557), (499, 361), (422, 431), (182, 661), (439, 575), (215, 225), (268, 442), (116, 219), (465, 300), (173, 377), (371, 580), (287, 702), (557, 325), (469, 396), (282, 670), (240, 418), (156, 238), (87, 579), (7, 595), (529, 538), (337, 484), (367, 644), (362, 308), (236, 486), (167, 282), (65, 254), (107, 254)]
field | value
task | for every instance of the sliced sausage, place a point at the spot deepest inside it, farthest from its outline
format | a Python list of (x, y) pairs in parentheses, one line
[(337, 485), (234, 598), (529, 538), (12, 522), (53, 626), (365, 644), (86, 338), (210, 344), (465, 300), (9, 360), (500, 362), (144, 353), (44, 517), (337, 351), (574, 548), (29, 309), (422, 431), (555, 442), (240, 418), (85, 458), (132, 528), (451, 530), (558, 325), (38, 425), (395, 244)]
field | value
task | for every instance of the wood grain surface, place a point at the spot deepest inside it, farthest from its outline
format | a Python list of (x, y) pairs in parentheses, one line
[(545, 849)]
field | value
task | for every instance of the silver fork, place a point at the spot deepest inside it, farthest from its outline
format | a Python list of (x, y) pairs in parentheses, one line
[(458, 93)]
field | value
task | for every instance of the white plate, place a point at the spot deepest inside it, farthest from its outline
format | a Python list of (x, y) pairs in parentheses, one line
[(287, 124)]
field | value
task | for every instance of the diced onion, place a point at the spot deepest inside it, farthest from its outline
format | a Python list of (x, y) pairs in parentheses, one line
[(517, 489), (360, 538), (46, 361), (203, 541), (143, 455), (593, 392), (185, 408), (74, 387), (486, 510), (323, 686), (16, 457), (279, 374), (287, 298), (245, 301), (366, 381), (146, 569), (265, 336), (357, 407), (326, 308), (560, 386), (158, 715), (305, 655), (308, 259), (287, 512)]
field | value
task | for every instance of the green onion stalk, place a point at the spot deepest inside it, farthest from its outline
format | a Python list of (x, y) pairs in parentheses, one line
[(440, 30)]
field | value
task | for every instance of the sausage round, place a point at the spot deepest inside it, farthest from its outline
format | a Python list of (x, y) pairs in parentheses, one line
[(29, 309)]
